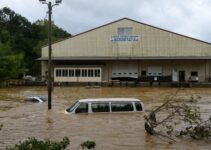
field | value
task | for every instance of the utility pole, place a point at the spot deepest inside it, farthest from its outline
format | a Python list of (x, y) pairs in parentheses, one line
[(49, 54), (50, 82)]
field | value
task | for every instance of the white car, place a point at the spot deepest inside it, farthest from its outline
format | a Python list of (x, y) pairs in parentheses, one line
[(106, 105), (36, 99)]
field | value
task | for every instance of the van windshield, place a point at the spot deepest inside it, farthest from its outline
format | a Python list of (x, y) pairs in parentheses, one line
[(72, 107)]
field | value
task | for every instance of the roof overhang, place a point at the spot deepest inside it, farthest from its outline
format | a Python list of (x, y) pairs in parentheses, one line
[(130, 58)]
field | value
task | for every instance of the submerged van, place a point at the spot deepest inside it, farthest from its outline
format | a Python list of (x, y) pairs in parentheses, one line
[(106, 105)]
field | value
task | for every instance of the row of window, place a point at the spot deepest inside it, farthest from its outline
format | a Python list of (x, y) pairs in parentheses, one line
[(77, 72), (144, 73), (130, 73), (104, 107), (155, 74)]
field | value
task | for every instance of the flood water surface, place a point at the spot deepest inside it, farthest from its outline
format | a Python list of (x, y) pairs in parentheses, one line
[(110, 131)]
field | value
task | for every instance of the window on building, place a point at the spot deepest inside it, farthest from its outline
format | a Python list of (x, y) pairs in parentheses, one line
[(90, 73), (82, 108), (138, 106), (58, 73), (100, 107), (84, 72), (97, 72), (194, 73), (125, 31), (71, 72), (64, 72), (77, 72), (121, 107)]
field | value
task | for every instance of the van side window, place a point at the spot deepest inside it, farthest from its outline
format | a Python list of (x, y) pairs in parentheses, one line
[(82, 108), (100, 107), (138, 106), (121, 106)]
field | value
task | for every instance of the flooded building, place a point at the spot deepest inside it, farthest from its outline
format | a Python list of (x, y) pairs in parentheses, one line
[(129, 50)]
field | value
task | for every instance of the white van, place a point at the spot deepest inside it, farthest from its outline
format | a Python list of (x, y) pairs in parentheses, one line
[(106, 105)]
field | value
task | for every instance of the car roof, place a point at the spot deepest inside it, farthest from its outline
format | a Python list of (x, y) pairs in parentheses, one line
[(110, 100), (43, 98)]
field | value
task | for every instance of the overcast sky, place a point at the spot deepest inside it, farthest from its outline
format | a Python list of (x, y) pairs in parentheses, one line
[(188, 17)]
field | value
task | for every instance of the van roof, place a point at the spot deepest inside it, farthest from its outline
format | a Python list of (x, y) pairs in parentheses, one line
[(109, 99)]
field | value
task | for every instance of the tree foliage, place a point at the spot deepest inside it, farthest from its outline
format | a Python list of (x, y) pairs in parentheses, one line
[(21, 41), (10, 63), (178, 117)]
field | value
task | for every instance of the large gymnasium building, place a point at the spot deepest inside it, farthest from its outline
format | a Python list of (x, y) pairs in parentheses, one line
[(129, 50)]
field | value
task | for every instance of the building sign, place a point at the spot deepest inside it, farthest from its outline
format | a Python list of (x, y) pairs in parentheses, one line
[(125, 38)]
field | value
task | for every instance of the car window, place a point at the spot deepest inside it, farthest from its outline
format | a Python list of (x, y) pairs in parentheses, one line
[(126, 106), (100, 107), (82, 108), (138, 106), (35, 100), (43, 98)]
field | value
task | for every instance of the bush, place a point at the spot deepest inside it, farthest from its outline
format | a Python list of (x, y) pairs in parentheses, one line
[(34, 144), (88, 145)]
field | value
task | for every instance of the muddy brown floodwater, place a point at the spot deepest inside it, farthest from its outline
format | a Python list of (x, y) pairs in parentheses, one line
[(110, 131)]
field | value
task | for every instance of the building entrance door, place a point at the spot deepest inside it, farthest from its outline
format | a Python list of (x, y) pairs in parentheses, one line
[(181, 76)]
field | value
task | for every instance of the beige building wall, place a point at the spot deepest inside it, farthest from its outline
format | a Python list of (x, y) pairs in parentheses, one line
[(152, 42)]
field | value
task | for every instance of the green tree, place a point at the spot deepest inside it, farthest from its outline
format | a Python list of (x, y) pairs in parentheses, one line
[(10, 63), (21, 43)]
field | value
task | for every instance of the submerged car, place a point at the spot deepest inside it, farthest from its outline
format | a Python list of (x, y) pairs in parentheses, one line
[(36, 99), (106, 105)]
